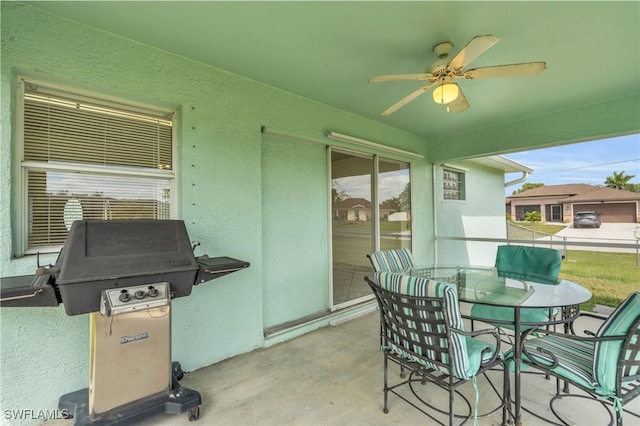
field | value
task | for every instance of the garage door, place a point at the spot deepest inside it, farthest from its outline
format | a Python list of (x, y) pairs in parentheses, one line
[(611, 213)]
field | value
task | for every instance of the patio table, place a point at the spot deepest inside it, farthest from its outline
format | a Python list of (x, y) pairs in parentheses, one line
[(483, 285)]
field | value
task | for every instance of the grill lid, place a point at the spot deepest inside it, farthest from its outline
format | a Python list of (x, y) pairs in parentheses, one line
[(107, 249)]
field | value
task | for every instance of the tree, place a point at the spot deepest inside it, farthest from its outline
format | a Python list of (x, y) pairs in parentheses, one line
[(338, 196), (392, 203), (532, 216), (527, 186), (620, 180), (405, 198)]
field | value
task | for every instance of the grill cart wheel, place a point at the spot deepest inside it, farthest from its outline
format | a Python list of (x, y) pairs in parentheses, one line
[(194, 413)]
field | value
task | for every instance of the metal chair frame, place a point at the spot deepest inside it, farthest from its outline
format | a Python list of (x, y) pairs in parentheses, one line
[(419, 325), (627, 371)]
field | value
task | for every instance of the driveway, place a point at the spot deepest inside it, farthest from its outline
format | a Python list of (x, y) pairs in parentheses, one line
[(617, 233)]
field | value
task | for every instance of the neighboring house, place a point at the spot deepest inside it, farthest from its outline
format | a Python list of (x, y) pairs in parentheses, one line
[(398, 216), (559, 203), (357, 210)]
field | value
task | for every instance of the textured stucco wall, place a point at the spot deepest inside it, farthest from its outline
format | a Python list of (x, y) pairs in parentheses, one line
[(223, 171), (294, 194), (480, 215)]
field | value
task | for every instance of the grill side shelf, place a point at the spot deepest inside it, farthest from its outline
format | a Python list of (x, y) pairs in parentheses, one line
[(27, 291), (216, 267)]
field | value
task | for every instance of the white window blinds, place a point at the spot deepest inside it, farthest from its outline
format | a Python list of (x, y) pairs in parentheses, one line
[(86, 158)]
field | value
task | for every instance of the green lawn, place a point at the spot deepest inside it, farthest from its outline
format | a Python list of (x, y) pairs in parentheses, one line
[(525, 230), (610, 277)]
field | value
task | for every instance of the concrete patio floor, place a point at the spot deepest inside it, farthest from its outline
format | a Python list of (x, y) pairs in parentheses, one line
[(333, 376)]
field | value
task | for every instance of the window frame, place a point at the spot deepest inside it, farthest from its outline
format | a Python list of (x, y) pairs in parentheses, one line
[(462, 184), (22, 167)]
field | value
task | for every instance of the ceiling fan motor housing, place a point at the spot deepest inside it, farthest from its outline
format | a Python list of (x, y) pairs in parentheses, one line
[(442, 50)]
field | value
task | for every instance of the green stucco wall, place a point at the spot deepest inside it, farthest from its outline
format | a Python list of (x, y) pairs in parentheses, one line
[(480, 215), (233, 183), (295, 229)]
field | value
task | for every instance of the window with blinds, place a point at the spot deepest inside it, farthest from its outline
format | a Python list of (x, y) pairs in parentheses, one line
[(88, 158)]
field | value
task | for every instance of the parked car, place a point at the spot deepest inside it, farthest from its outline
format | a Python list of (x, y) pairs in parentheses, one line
[(590, 218)]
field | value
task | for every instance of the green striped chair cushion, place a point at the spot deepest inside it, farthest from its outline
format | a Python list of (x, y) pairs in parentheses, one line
[(537, 264), (465, 353), (606, 354), (395, 260), (575, 358)]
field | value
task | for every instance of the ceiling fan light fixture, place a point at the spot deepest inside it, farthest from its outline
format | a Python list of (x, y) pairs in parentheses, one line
[(446, 93)]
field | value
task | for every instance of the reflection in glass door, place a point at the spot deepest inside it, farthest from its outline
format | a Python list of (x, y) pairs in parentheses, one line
[(394, 193), (352, 224), (371, 210)]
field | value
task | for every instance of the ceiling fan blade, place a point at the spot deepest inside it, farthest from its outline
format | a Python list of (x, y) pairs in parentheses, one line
[(400, 77), (512, 70), (459, 104), (402, 102), (476, 47)]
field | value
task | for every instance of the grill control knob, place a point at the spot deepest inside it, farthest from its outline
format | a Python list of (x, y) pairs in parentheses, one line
[(153, 292), (140, 294), (124, 296)]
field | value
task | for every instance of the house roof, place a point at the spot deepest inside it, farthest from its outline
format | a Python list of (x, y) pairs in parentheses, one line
[(351, 203), (602, 193), (578, 192), (502, 163)]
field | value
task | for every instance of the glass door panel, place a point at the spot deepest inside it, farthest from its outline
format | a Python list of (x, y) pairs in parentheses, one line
[(394, 193), (353, 217)]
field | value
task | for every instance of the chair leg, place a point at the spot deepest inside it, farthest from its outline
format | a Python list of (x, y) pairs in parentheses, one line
[(506, 394), (451, 408), (385, 408)]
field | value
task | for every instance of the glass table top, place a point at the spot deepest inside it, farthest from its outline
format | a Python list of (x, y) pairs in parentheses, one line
[(484, 285)]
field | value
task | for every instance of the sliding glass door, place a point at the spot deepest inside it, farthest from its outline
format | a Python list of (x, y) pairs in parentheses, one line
[(370, 210)]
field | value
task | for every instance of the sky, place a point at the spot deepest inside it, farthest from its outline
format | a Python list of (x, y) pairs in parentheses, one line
[(586, 162), (390, 184)]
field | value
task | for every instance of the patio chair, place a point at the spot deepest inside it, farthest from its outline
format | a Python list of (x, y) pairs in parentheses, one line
[(538, 264), (395, 260), (605, 365), (422, 331)]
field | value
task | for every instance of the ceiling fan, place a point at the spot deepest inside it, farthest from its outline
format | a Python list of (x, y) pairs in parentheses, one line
[(442, 72)]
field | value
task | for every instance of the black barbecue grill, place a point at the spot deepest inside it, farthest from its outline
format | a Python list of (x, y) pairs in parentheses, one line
[(124, 274)]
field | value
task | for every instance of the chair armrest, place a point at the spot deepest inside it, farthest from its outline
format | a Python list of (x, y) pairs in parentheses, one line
[(582, 314), (543, 332), (495, 332), (569, 337)]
